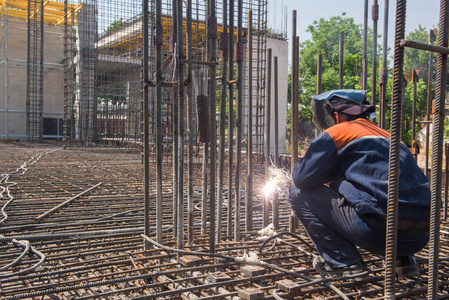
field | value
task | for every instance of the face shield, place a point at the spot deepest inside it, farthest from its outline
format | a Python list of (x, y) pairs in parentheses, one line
[(322, 114), (347, 101)]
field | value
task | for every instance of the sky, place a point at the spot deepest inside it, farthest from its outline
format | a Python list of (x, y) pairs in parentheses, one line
[(418, 12)]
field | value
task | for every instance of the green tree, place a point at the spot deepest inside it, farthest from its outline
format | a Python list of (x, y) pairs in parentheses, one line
[(115, 25), (325, 40), (421, 107), (415, 59)]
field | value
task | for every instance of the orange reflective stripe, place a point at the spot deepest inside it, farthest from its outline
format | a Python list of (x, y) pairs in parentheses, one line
[(346, 132)]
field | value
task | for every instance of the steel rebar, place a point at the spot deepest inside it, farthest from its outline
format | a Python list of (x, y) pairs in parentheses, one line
[(395, 148), (266, 203), (374, 17), (383, 77), (249, 131), (341, 49), (437, 153), (238, 118)]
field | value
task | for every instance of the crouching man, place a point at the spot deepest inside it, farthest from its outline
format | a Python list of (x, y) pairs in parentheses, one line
[(340, 189)]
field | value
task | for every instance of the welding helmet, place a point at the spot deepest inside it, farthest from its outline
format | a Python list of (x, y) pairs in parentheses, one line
[(348, 101)]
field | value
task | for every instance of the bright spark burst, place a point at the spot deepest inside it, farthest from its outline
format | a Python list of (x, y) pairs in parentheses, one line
[(269, 188)]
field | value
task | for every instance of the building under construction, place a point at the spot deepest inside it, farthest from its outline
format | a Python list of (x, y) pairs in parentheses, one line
[(137, 139)]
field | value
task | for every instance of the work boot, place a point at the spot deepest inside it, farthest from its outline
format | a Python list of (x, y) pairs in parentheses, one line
[(406, 266), (356, 270)]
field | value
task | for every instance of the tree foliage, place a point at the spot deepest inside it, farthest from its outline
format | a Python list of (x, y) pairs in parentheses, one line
[(415, 59), (325, 40), (115, 25), (325, 36)]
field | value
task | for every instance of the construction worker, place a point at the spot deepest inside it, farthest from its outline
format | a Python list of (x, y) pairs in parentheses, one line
[(340, 189)]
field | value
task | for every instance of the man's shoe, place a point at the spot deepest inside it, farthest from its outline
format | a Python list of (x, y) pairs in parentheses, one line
[(406, 266), (356, 270)]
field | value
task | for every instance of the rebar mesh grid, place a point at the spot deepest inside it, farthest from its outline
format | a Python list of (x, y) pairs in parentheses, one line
[(93, 246)]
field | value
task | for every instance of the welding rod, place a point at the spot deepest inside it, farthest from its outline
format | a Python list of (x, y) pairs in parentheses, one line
[(58, 207)]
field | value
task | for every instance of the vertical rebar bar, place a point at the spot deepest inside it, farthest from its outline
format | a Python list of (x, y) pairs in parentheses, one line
[(395, 148), (415, 79), (446, 183), (239, 118), (204, 188), (230, 118), (432, 37), (41, 75), (190, 124), (319, 72), (383, 78), (175, 121), (146, 145), (224, 65), (375, 17), (365, 50), (276, 111), (294, 95), (67, 92), (275, 209), (249, 150), (266, 202), (181, 120), (341, 52), (437, 149), (158, 44), (293, 220), (212, 57)]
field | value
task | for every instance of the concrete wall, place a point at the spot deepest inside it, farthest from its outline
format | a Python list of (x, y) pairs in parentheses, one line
[(13, 72), (279, 49)]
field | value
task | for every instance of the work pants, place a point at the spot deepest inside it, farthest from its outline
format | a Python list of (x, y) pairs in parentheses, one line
[(335, 228)]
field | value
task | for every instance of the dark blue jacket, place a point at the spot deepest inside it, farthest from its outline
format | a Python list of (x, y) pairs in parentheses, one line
[(353, 158)]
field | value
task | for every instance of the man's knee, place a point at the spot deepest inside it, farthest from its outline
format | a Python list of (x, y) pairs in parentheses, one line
[(294, 195), (296, 200)]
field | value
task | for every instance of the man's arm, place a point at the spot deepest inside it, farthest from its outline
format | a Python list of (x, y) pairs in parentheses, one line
[(318, 164)]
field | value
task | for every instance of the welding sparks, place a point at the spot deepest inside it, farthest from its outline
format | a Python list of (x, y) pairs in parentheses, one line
[(279, 181), (269, 188)]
